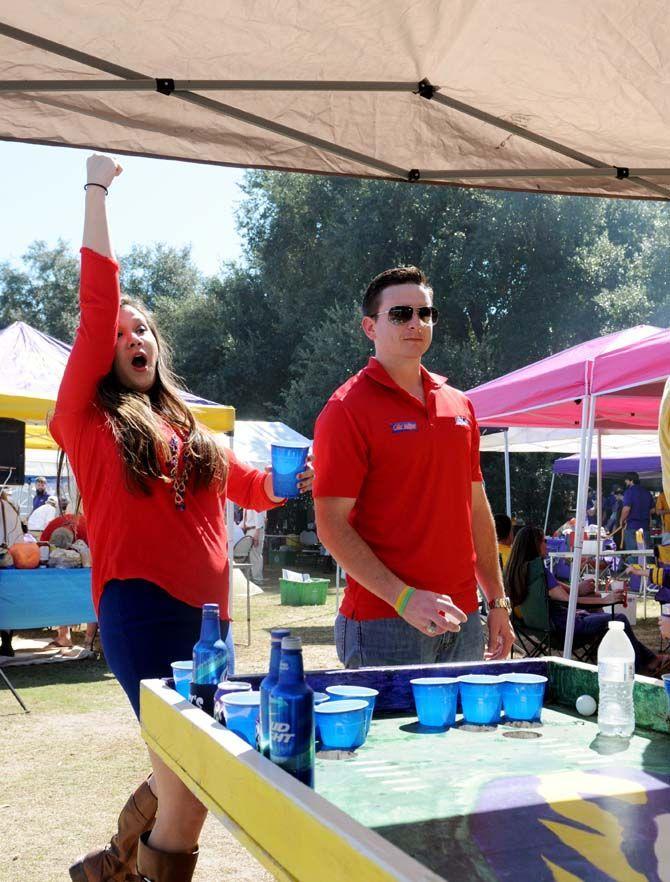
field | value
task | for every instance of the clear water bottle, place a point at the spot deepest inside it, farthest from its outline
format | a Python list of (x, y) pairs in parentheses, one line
[(210, 660), (292, 716), (268, 684), (616, 676)]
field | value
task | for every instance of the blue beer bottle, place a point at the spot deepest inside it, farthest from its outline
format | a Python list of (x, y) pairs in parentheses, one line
[(292, 715), (210, 660), (267, 685)]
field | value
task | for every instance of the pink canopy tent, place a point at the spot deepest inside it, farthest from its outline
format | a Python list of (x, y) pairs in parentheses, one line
[(625, 370), (611, 383)]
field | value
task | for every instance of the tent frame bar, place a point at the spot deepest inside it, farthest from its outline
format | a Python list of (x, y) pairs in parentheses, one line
[(207, 103), (149, 84), (425, 89)]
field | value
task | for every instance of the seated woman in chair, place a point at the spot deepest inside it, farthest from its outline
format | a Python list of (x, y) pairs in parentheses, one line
[(529, 546)]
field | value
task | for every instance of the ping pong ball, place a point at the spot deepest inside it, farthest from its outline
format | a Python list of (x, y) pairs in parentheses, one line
[(586, 705)]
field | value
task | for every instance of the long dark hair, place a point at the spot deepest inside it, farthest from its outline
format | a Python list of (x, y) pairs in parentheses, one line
[(526, 547), (135, 420)]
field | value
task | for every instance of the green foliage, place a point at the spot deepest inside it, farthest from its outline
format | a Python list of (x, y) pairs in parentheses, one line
[(516, 278), (44, 292)]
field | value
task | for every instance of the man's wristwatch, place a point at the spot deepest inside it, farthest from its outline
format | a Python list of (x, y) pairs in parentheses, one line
[(501, 603)]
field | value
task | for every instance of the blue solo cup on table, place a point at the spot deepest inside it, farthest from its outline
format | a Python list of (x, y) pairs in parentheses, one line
[(227, 687), (341, 723), (182, 671), (241, 710), (435, 699), (522, 696), (319, 698), (288, 461), (481, 699), (360, 693)]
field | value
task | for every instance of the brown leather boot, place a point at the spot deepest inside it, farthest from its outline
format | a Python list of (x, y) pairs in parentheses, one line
[(163, 866), (118, 859)]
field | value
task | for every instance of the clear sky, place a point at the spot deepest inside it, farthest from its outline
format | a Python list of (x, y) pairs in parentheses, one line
[(154, 200)]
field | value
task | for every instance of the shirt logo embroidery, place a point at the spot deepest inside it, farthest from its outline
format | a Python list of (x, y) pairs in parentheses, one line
[(403, 426), (462, 421)]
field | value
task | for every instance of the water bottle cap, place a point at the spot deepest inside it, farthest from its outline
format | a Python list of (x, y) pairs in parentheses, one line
[(210, 609), (291, 643), (616, 626), (277, 634)]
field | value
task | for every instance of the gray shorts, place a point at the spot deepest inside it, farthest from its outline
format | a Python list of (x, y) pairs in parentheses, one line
[(391, 642)]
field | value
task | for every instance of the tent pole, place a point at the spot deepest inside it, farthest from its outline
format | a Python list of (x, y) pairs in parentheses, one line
[(551, 491), (599, 501), (588, 419), (508, 488)]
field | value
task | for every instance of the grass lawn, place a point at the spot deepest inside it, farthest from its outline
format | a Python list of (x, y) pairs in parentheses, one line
[(68, 766)]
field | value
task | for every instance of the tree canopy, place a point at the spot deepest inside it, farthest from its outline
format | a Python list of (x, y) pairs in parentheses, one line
[(516, 277)]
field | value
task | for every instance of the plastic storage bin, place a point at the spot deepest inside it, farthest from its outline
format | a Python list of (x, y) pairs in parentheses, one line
[(312, 593)]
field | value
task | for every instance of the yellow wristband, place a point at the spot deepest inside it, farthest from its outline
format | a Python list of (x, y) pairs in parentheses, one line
[(403, 599)]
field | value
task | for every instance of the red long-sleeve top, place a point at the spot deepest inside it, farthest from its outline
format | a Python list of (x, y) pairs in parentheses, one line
[(133, 535)]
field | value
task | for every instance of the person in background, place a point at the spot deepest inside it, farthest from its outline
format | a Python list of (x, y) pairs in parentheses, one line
[(637, 505), (505, 535), (253, 525), (529, 544), (616, 505), (41, 492), (43, 515), (663, 511), (75, 522)]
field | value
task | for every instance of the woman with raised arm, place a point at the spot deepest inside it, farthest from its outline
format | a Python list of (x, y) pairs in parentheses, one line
[(154, 484)]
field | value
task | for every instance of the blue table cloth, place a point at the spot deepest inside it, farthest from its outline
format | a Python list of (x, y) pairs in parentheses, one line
[(44, 598)]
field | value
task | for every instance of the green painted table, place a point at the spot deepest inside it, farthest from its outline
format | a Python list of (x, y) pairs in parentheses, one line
[(554, 803)]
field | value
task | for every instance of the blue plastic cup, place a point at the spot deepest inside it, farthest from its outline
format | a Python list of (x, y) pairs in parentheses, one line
[(341, 723), (226, 687), (362, 693), (241, 710), (522, 696), (435, 699), (319, 698), (481, 699), (288, 461), (666, 683), (182, 671)]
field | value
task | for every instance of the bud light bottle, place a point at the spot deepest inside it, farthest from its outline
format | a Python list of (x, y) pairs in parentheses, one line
[(267, 685), (292, 716), (210, 660)]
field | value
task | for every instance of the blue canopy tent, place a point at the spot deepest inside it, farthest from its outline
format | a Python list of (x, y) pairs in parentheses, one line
[(646, 466)]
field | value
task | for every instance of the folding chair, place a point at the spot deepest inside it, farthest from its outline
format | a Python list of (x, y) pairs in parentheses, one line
[(535, 632)]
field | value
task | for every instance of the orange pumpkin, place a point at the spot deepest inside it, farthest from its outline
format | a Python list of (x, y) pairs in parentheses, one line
[(26, 555)]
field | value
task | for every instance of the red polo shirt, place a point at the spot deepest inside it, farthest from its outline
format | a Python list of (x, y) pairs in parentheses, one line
[(410, 469)]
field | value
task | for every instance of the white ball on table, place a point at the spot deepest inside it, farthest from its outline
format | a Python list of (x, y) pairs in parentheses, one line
[(586, 705)]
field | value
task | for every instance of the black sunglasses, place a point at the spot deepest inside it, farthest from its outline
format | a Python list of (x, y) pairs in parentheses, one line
[(400, 315)]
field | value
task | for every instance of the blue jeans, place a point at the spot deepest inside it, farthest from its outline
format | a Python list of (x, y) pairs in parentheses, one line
[(595, 624), (629, 542), (143, 629), (381, 642)]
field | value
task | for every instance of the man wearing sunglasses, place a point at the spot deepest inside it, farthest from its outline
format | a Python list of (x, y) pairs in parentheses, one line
[(399, 498)]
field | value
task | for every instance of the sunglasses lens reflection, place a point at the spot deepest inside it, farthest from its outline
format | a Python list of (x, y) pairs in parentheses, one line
[(400, 315)]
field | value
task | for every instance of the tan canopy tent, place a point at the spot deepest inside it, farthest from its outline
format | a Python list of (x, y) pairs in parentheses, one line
[(31, 369), (567, 97)]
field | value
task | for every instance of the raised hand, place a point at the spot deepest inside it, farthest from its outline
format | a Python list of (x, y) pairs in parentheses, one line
[(102, 170)]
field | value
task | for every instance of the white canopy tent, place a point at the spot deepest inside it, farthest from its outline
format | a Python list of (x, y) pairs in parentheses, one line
[(517, 95), (253, 439)]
